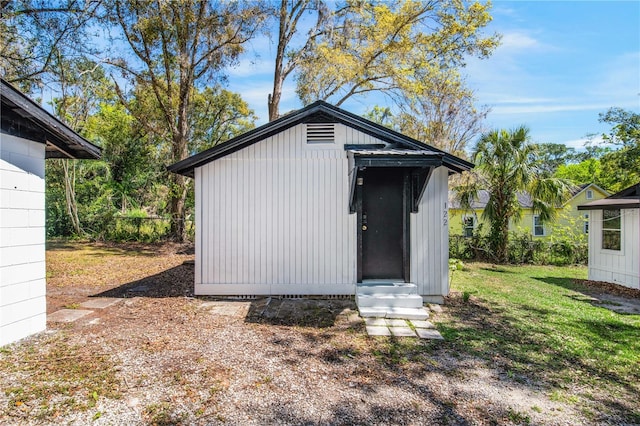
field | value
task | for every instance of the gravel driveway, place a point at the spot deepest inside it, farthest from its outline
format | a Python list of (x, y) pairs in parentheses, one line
[(161, 356)]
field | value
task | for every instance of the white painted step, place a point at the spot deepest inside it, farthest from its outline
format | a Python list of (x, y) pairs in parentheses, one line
[(387, 288), (389, 300), (394, 313)]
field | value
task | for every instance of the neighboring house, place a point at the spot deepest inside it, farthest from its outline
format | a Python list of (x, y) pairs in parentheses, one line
[(318, 201), (28, 135), (614, 238), (464, 221)]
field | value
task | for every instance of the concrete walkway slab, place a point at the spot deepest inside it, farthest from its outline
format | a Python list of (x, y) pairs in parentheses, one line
[(435, 308), (422, 324), (68, 315), (425, 333), (100, 303), (227, 308), (378, 331), (396, 323), (402, 332), (375, 322)]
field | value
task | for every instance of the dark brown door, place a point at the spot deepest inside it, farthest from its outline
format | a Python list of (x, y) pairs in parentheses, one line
[(383, 223)]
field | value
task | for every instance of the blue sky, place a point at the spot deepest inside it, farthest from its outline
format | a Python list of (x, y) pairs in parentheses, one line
[(559, 65)]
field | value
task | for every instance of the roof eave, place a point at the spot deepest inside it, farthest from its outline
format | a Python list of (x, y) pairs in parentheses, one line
[(57, 133), (187, 166), (615, 203)]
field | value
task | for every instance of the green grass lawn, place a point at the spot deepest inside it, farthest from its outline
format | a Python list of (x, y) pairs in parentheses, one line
[(534, 322)]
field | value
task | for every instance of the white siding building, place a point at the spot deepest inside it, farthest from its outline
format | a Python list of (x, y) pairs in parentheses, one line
[(614, 238), (28, 136), (319, 201)]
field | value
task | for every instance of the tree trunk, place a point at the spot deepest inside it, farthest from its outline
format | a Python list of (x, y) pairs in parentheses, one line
[(279, 74), (70, 196), (179, 190), (178, 196), (503, 241), (274, 99), (499, 234)]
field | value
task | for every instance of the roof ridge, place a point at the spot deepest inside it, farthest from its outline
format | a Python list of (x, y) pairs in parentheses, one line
[(187, 166)]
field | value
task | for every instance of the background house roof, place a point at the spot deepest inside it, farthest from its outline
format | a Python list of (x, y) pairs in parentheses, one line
[(524, 198), (317, 112), (22, 117)]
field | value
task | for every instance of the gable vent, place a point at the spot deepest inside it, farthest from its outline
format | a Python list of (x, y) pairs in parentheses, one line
[(320, 133)]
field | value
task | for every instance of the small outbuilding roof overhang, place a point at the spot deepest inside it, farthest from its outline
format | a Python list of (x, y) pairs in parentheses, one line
[(628, 198), (322, 112), (419, 162), (22, 117)]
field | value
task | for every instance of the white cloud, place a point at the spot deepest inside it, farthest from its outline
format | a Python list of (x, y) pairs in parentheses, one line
[(506, 98), (536, 108), (503, 10), (618, 80), (518, 41), (579, 144), (252, 67)]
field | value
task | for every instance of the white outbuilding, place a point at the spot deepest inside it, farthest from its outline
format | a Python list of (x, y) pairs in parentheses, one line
[(614, 238), (322, 202), (28, 135)]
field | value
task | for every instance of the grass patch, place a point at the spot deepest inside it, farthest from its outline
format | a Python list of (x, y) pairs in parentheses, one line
[(531, 321), (61, 379), (396, 352), (163, 413)]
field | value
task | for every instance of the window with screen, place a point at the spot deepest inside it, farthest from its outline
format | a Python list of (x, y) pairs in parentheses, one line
[(468, 225), (538, 227), (611, 229)]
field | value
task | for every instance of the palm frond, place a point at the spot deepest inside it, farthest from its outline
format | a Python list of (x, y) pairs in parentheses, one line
[(549, 194)]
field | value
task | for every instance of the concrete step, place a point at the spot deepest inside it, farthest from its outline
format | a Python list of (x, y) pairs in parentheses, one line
[(379, 287), (389, 300), (394, 313)]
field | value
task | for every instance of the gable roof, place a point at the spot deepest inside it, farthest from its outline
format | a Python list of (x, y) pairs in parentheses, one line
[(581, 188), (317, 112), (628, 198), (22, 117)]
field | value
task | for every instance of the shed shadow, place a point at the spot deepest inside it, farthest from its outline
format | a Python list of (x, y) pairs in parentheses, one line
[(299, 312), (497, 268), (173, 282)]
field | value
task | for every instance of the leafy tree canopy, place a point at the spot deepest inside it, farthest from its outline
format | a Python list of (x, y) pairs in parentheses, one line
[(394, 47), (622, 166), (554, 155), (587, 171)]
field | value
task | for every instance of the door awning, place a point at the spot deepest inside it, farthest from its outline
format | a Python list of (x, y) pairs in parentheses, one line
[(420, 163)]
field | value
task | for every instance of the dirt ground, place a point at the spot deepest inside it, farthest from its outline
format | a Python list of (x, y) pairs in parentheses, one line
[(161, 356), (614, 297)]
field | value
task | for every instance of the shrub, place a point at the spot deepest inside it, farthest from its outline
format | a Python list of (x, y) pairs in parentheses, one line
[(563, 247)]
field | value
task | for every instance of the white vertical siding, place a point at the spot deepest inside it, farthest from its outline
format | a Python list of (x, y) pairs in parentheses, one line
[(273, 218), (621, 267), (22, 238), (430, 240)]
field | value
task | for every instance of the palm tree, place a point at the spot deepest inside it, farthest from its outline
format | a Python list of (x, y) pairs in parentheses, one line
[(507, 164)]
